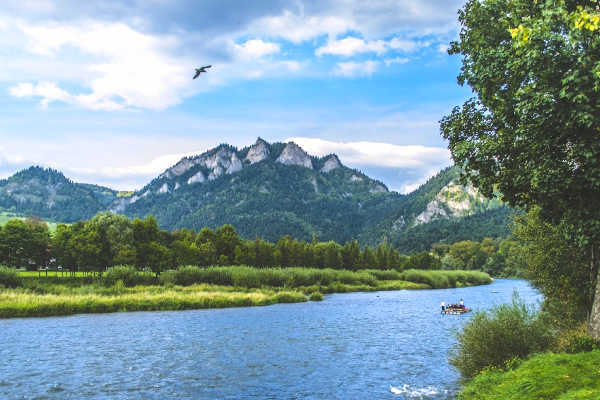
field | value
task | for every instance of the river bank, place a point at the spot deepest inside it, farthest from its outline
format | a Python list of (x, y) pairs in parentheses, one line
[(124, 289)]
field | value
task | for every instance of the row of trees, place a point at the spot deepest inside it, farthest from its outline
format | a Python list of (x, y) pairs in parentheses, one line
[(109, 239)]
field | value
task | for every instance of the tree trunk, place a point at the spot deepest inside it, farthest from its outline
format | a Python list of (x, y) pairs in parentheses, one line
[(594, 324)]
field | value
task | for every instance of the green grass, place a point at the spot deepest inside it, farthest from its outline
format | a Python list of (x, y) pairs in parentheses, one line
[(439, 279), (24, 303), (125, 289), (546, 376)]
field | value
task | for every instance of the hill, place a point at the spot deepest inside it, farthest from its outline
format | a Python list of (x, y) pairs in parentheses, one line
[(271, 190)]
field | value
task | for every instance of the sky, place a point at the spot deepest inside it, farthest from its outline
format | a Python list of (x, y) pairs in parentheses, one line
[(103, 91)]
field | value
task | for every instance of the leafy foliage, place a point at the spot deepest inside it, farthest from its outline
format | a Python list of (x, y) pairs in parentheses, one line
[(490, 340)]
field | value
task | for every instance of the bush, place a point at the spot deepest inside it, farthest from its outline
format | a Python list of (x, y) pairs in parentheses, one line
[(492, 339), (9, 277), (315, 296), (168, 277), (576, 340), (129, 275)]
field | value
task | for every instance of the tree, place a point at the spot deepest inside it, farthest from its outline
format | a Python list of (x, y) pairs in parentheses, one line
[(532, 131)]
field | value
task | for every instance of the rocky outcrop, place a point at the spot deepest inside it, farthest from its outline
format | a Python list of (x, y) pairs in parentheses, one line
[(164, 188), (453, 201), (197, 177), (293, 154), (355, 178), (332, 162), (258, 152)]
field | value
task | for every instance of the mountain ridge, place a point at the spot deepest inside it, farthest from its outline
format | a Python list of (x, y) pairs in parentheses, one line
[(265, 189)]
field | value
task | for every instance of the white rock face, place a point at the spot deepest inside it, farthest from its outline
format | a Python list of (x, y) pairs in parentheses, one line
[(177, 185), (197, 177), (452, 201), (164, 188), (181, 167), (355, 178), (331, 163), (235, 164), (258, 152), (292, 154)]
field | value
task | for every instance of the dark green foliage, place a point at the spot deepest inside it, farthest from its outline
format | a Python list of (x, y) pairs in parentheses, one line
[(491, 223), (47, 193), (491, 339), (557, 267), (9, 277)]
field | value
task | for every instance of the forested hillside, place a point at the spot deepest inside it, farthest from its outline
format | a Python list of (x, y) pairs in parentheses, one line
[(268, 191)]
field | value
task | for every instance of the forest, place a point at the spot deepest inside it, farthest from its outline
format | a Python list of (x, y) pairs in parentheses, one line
[(107, 240)]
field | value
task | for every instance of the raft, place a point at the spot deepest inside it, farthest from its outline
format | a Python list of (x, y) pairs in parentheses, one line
[(456, 311)]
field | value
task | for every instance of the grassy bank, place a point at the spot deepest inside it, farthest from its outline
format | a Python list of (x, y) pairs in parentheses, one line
[(190, 287), (24, 303), (545, 376)]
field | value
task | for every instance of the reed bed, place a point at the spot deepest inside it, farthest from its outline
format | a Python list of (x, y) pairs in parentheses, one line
[(23, 303), (440, 279)]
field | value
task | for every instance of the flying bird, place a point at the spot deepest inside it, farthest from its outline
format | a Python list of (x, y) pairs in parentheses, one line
[(201, 70)]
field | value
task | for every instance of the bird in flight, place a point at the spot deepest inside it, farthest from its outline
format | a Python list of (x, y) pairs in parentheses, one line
[(201, 70)]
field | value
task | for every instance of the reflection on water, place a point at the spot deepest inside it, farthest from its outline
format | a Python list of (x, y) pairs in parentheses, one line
[(349, 346)]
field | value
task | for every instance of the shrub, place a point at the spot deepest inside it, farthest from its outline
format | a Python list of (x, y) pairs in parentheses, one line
[(316, 296), (576, 340), (168, 277), (9, 277), (128, 275), (492, 339)]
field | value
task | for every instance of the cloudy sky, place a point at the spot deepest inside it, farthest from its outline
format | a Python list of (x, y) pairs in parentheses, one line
[(102, 90)]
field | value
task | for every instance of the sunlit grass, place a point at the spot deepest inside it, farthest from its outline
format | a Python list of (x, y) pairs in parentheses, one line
[(24, 303)]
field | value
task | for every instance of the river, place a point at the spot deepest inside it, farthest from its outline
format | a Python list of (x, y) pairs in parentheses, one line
[(349, 346)]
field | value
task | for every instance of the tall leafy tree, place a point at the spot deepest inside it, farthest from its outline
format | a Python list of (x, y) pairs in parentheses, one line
[(532, 131)]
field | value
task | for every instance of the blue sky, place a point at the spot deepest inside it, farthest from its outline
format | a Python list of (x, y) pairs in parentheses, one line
[(102, 90)]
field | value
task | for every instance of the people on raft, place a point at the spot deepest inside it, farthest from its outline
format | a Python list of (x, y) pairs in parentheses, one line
[(454, 307)]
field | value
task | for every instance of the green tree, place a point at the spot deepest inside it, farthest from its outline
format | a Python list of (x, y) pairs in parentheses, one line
[(532, 131)]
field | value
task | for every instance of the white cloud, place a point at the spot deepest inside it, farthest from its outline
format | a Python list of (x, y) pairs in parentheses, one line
[(376, 153), (350, 46), (422, 161), (443, 48), (298, 28), (353, 69), (126, 68), (396, 60), (255, 48)]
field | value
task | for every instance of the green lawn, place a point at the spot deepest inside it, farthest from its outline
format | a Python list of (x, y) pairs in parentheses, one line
[(546, 376)]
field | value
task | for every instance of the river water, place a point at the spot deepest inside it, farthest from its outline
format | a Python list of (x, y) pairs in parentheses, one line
[(349, 346)]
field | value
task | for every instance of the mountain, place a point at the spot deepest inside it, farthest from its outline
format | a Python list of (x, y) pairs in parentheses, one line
[(270, 190), (265, 190), (47, 193)]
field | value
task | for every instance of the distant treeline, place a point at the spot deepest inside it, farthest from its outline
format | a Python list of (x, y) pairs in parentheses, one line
[(109, 239)]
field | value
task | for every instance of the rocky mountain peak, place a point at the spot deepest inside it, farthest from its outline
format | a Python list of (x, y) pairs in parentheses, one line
[(332, 162), (293, 154), (258, 151)]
